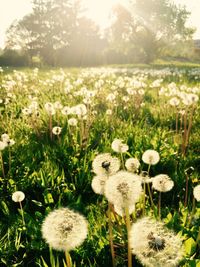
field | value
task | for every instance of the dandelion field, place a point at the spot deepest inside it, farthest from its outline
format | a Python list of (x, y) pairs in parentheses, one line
[(67, 137)]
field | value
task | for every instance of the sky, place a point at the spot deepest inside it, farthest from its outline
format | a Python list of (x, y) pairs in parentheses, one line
[(98, 10)]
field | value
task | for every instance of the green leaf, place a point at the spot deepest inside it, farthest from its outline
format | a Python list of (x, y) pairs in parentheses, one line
[(190, 246), (48, 198), (38, 203), (5, 208)]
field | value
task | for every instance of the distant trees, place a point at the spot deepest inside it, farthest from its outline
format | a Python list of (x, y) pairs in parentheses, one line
[(149, 28), (54, 30), (57, 33)]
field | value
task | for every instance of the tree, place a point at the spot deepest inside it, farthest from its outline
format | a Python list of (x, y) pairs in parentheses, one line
[(164, 21), (145, 30), (54, 31)]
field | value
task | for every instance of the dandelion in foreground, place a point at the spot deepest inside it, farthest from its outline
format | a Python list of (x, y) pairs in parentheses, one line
[(64, 229), (105, 164), (56, 130), (132, 164), (162, 183), (196, 192), (123, 189), (119, 146), (150, 157), (154, 244)]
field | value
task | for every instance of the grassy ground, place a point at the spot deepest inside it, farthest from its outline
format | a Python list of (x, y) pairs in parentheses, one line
[(56, 171)]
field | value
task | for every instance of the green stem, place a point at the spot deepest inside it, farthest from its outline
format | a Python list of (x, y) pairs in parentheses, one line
[(122, 158), (186, 192), (193, 211), (111, 234), (50, 126), (149, 190), (144, 199), (9, 151), (22, 212), (2, 165), (68, 259), (198, 238), (128, 227), (159, 206), (184, 134), (189, 128)]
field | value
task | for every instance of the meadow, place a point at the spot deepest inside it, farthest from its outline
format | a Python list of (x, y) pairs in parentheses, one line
[(55, 125)]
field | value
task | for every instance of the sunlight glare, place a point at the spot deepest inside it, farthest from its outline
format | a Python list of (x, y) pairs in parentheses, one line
[(100, 10)]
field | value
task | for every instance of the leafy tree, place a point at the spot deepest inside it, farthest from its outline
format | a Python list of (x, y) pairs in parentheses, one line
[(145, 30)]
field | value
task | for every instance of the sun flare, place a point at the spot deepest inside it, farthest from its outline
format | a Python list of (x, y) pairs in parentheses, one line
[(100, 10)]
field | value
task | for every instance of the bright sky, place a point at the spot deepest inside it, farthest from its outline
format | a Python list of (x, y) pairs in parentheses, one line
[(98, 10)]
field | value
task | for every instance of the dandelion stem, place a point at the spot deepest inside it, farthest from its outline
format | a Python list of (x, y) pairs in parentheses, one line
[(68, 259), (176, 121), (122, 158), (149, 190), (2, 165), (9, 151), (144, 199), (111, 234), (149, 166), (150, 195), (186, 192), (189, 129), (128, 227), (81, 132), (159, 206), (193, 210), (198, 238), (184, 134), (50, 126), (22, 212)]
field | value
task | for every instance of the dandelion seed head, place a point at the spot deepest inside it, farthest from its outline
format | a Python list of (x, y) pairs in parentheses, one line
[(154, 244), (118, 146), (5, 137), (151, 157), (64, 229), (58, 105), (98, 184), (18, 196), (174, 101), (65, 110), (80, 110), (56, 130), (72, 122), (123, 189), (27, 111), (2, 145), (105, 164), (50, 108), (132, 164), (196, 192), (162, 183), (109, 112)]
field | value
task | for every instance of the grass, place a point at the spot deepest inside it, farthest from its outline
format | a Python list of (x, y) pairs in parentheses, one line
[(57, 171)]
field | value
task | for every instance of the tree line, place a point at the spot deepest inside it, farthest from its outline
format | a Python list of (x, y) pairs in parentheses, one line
[(57, 33)]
